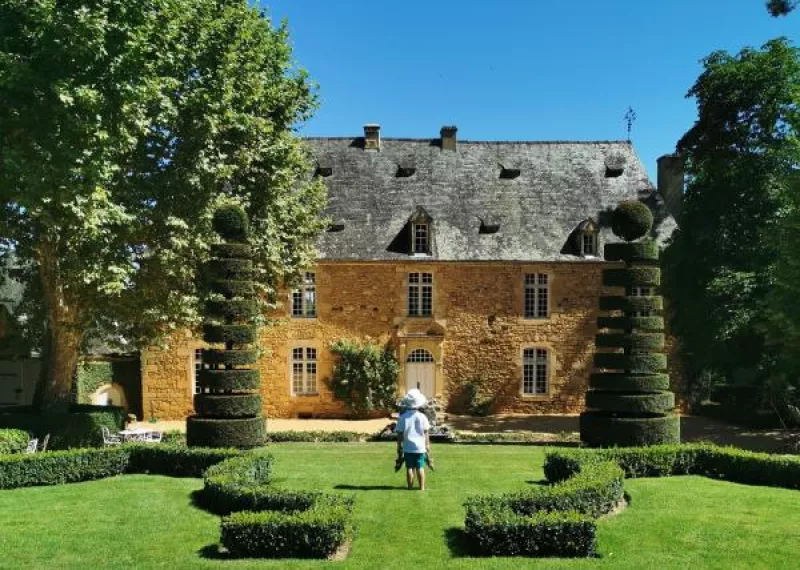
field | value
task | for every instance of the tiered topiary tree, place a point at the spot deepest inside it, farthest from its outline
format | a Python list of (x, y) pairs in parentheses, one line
[(629, 402), (229, 407)]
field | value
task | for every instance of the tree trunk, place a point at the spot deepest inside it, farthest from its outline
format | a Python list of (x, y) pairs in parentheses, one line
[(63, 335)]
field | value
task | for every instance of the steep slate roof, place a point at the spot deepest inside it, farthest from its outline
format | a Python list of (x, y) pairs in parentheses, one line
[(560, 185)]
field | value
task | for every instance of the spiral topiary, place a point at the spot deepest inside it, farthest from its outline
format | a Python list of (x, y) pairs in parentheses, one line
[(228, 410), (631, 220), (629, 402)]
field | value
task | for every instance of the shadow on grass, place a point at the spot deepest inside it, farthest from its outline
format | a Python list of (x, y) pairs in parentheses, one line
[(458, 543), (371, 487), (540, 482), (213, 552)]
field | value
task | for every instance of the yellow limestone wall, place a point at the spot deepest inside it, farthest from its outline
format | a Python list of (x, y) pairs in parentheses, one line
[(477, 333)]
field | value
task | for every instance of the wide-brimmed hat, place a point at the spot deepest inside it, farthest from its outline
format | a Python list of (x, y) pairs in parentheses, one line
[(414, 399)]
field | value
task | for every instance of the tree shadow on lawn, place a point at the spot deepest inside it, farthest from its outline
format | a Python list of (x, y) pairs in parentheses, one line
[(458, 543), (371, 487)]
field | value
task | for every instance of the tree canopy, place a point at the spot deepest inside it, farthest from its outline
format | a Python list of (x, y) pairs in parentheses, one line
[(741, 156), (123, 123)]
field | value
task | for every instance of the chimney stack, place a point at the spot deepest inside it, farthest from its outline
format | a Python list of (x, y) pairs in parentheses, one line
[(372, 137), (448, 137), (670, 182)]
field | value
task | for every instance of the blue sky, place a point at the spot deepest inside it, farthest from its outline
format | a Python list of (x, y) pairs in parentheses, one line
[(517, 70)]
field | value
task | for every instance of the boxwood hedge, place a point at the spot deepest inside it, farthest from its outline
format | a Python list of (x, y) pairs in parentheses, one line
[(628, 323), (232, 309), (229, 380), (640, 276), (231, 288), (621, 382), (637, 363), (235, 432), (649, 403), (229, 357), (637, 341), (227, 405), (13, 441), (627, 303), (237, 334), (638, 251), (609, 429)]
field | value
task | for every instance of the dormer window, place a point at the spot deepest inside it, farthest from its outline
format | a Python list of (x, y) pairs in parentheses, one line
[(586, 238), (589, 244), (421, 239)]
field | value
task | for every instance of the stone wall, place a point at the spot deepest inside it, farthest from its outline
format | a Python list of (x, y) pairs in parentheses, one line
[(477, 333)]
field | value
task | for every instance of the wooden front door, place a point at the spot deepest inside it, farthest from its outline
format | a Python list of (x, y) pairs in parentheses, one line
[(421, 372)]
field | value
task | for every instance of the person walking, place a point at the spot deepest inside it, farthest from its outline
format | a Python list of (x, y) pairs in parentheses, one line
[(413, 437)]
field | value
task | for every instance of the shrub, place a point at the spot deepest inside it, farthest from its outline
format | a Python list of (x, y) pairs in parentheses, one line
[(232, 432), (57, 467), (315, 436), (640, 251), (632, 277), (556, 520), (175, 460), (231, 222), (365, 377), (227, 405), (13, 441), (611, 429), (81, 427), (314, 533), (631, 220)]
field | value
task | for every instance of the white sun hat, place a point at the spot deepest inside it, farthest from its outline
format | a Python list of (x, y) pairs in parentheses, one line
[(414, 399)]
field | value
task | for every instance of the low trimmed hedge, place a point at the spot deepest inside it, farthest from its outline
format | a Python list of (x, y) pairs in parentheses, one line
[(556, 520), (316, 436), (270, 522), (80, 427), (57, 467), (317, 532), (13, 441), (176, 460)]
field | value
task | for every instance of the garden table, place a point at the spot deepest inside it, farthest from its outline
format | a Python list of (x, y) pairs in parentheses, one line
[(137, 434)]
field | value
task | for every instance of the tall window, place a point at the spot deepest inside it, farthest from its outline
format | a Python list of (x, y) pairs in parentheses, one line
[(304, 370), (589, 243), (420, 294), (534, 371), (421, 241), (198, 366), (304, 298), (642, 292), (536, 295)]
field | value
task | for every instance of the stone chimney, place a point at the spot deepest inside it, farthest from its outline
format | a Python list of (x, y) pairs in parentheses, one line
[(372, 137), (448, 137), (670, 182)]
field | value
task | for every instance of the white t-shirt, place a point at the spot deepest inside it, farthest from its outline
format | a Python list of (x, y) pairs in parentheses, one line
[(413, 424)]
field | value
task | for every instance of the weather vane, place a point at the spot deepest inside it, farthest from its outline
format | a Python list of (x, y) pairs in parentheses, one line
[(630, 118)]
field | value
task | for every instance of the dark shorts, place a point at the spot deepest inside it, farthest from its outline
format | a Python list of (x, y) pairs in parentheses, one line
[(415, 460)]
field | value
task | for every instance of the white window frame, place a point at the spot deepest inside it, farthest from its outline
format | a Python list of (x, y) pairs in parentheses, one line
[(304, 297), (589, 238), (536, 364), (197, 365), (536, 296), (420, 244), (303, 370), (419, 289)]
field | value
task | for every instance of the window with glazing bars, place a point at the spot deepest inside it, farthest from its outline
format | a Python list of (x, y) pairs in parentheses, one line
[(304, 370), (536, 293), (642, 292), (534, 371), (421, 238), (589, 243), (198, 366), (304, 298), (420, 294)]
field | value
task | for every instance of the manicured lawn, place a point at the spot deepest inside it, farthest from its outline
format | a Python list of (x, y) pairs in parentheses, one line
[(140, 521)]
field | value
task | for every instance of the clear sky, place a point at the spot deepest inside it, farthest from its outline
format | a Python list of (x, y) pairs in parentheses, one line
[(517, 70)]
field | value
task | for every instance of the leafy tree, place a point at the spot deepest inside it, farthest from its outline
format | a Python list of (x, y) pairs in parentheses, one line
[(780, 7), (739, 158), (122, 124), (365, 377)]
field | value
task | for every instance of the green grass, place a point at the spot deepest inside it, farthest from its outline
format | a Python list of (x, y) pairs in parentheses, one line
[(139, 521)]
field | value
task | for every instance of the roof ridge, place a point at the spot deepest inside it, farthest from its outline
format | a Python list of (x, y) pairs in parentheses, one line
[(429, 140)]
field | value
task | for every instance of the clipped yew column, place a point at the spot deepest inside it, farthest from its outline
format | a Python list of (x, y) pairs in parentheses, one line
[(628, 402), (228, 411)]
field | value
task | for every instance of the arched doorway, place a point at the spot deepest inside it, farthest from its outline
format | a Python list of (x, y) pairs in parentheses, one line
[(421, 372)]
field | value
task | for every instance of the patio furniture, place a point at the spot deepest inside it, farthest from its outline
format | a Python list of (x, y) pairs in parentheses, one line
[(136, 434), (154, 437), (45, 441), (32, 444), (109, 438)]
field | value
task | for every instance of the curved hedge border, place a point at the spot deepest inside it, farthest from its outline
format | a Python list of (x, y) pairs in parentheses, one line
[(559, 520)]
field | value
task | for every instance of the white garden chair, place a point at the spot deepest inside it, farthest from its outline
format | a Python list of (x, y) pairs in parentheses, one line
[(45, 441), (154, 437), (32, 445), (109, 438)]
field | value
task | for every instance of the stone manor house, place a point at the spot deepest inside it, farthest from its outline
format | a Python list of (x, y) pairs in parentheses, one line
[(477, 261)]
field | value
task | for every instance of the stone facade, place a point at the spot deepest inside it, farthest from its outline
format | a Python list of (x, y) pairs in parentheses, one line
[(476, 333)]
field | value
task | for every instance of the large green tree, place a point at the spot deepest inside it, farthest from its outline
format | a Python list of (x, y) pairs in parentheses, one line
[(740, 156), (122, 124)]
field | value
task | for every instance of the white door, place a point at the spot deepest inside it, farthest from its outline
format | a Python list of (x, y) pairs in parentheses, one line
[(421, 372)]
